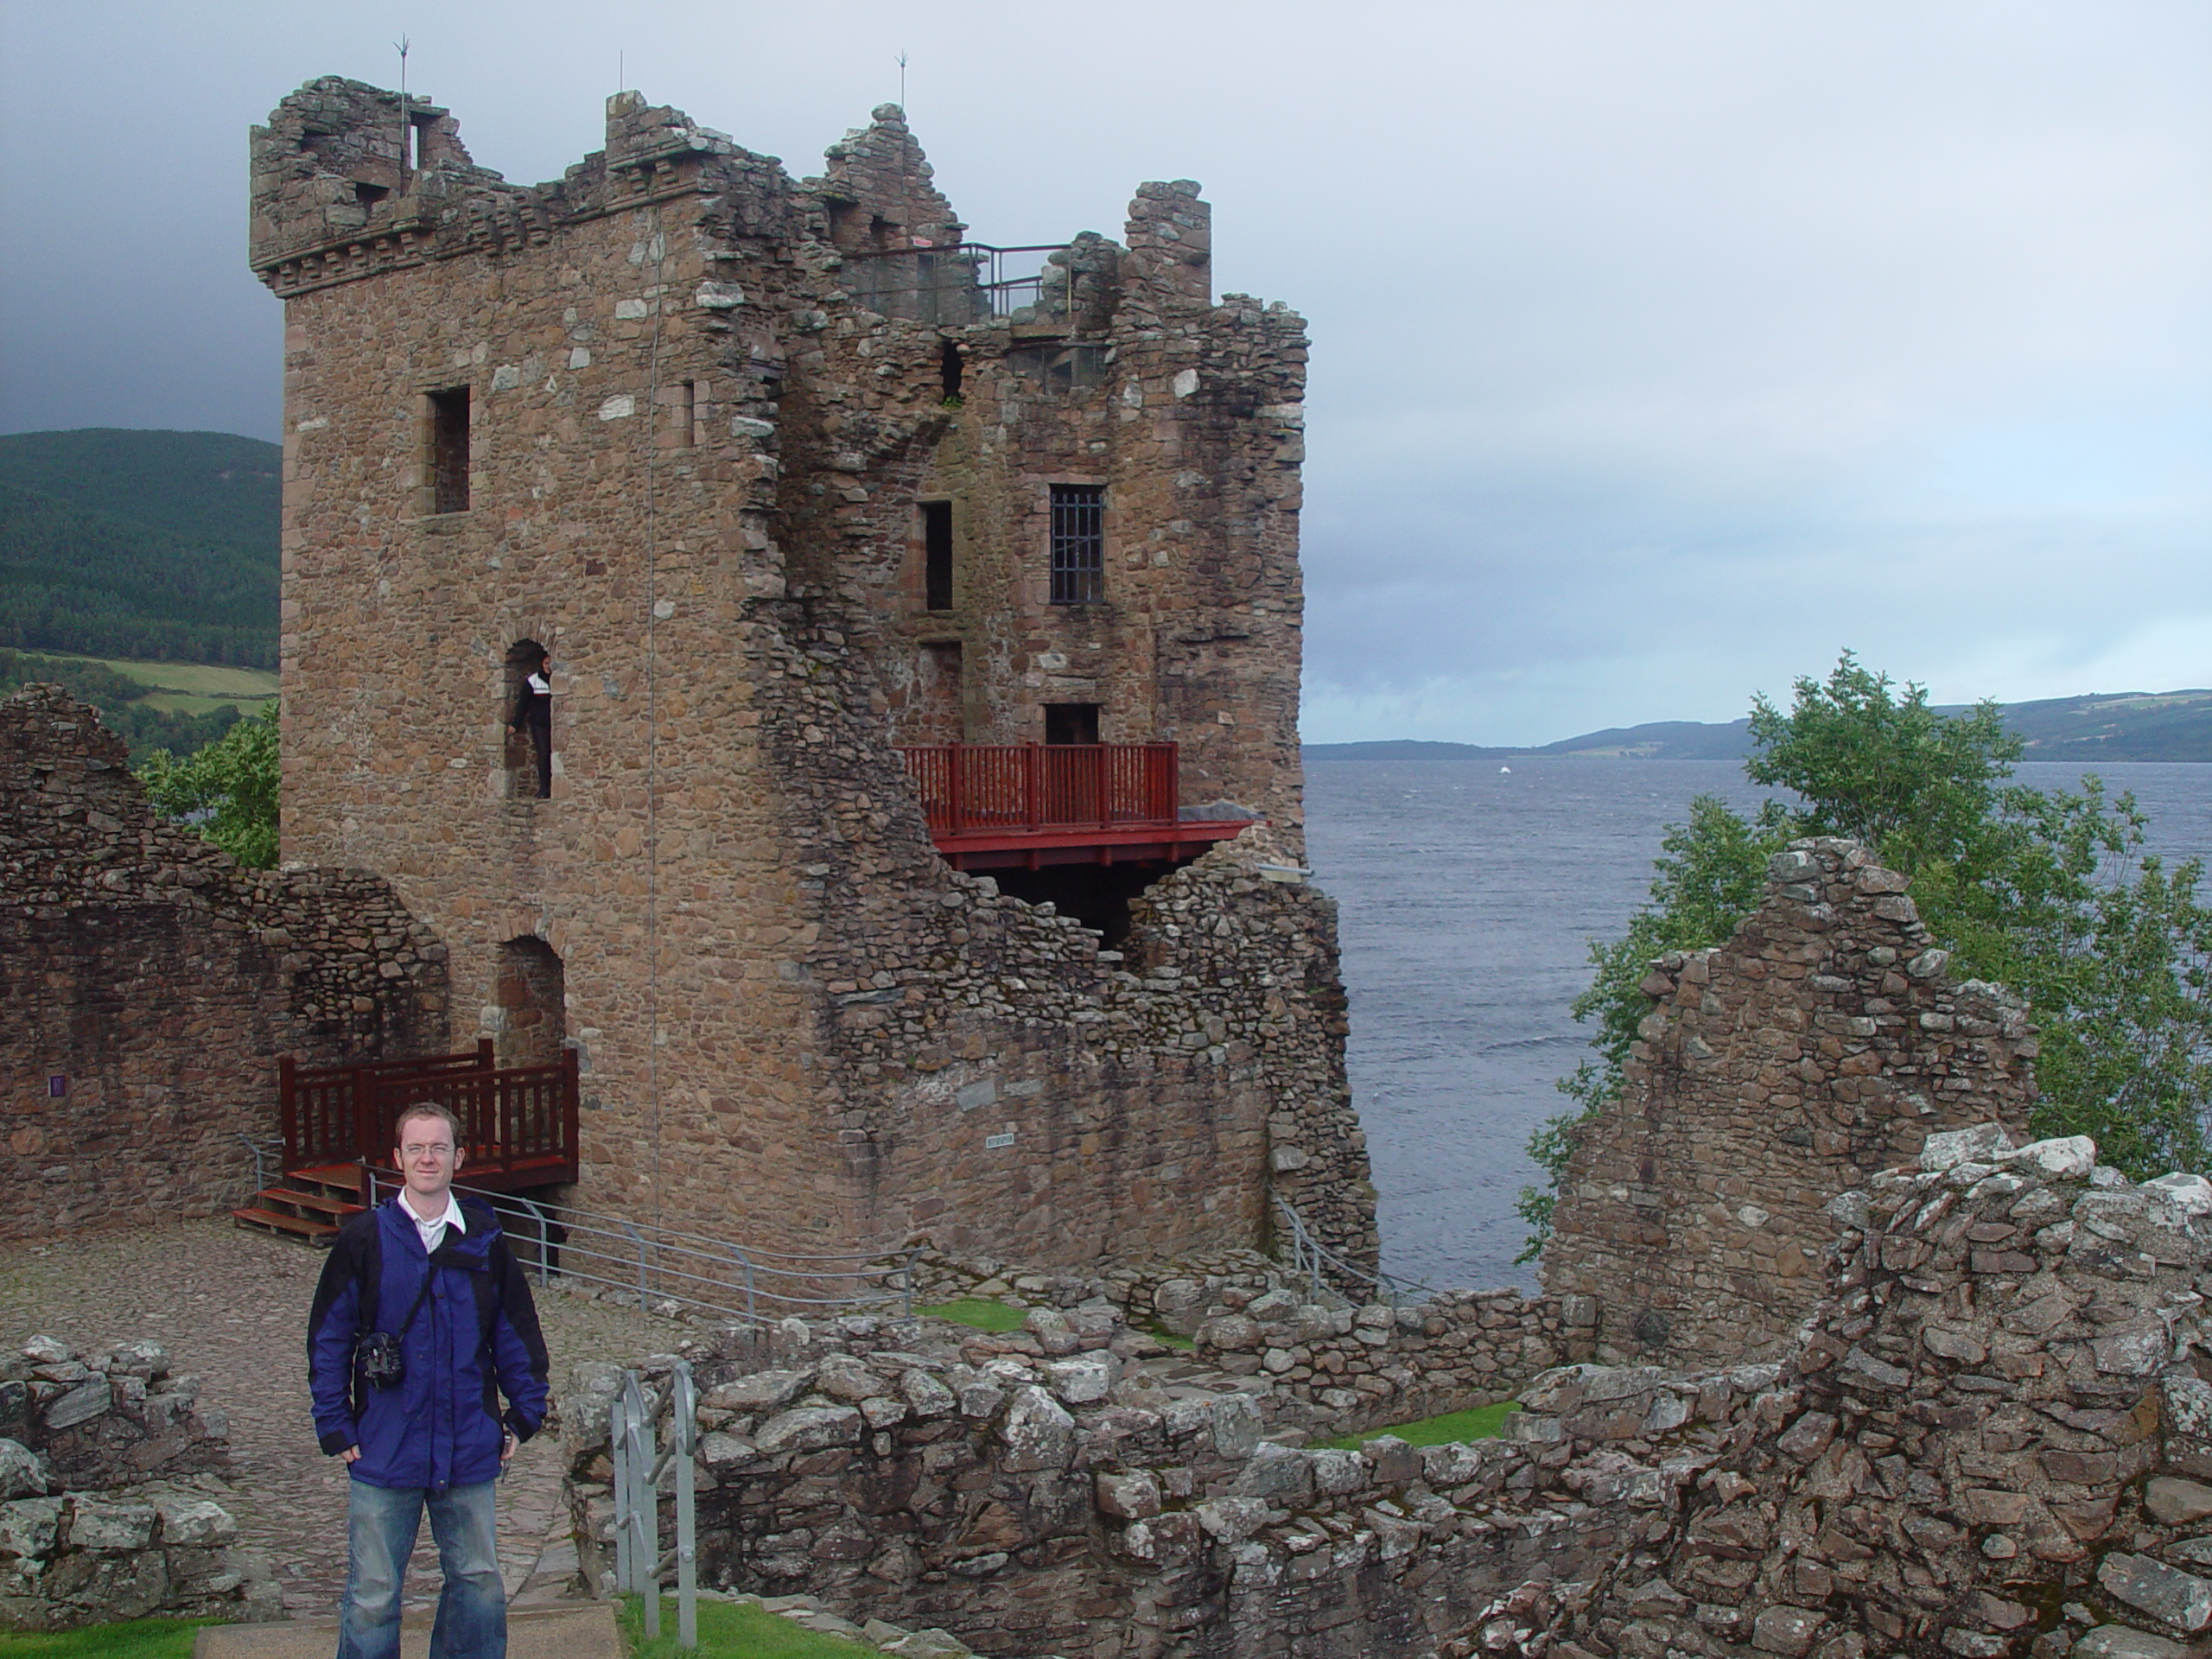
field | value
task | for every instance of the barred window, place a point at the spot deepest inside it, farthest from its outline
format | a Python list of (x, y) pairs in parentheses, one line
[(1078, 544)]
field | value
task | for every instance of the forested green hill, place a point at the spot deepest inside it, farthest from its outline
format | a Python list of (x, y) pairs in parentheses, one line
[(160, 546)]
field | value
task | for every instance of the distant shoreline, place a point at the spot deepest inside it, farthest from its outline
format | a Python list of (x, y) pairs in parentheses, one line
[(2103, 730)]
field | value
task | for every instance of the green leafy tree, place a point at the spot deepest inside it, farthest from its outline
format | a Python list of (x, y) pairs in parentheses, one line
[(2046, 891), (226, 790)]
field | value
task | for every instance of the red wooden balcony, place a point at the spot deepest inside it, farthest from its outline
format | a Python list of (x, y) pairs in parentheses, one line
[(1024, 805)]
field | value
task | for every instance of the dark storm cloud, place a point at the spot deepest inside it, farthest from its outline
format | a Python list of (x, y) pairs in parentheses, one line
[(1661, 351)]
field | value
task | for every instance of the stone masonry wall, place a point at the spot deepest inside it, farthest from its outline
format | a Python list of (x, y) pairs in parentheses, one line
[(1822, 1043), (697, 458), (139, 964), (1993, 1439), (100, 1519)]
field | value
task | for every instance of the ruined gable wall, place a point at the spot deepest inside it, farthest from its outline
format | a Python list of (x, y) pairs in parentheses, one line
[(162, 982), (1822, 1042)]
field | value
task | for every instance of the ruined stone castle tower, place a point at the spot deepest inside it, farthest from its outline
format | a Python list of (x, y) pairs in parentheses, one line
[(788, 477)]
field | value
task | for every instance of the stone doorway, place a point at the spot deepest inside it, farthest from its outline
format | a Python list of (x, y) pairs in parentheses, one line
[(530, 997)]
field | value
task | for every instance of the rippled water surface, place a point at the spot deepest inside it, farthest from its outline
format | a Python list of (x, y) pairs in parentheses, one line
[(1468, 896)]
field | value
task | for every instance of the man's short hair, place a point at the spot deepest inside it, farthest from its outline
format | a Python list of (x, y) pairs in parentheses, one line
[(423, 1109)]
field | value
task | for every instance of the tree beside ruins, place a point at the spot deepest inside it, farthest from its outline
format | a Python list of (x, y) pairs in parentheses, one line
[(2050, 892)]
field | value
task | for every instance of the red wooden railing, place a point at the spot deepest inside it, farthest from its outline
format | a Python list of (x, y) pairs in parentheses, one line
[(973, 788), (514, 1121)]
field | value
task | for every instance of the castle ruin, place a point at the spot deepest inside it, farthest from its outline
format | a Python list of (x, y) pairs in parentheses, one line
[(916, 844)]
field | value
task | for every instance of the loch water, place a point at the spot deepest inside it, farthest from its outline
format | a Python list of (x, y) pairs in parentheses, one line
[(1467, 899)]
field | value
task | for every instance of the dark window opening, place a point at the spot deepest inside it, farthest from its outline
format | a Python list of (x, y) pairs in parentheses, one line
[(1078, 544), (937, 555), (449, 450), (531, 997), (1096, 895), (369, 194), (530, 722), (1071, 723), (1061, 368), (687, 414), (949, 369)]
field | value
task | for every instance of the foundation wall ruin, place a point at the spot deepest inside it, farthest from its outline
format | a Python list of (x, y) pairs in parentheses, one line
[(706, 406), (159, 982), (1823, 1041), (1992, 1438)]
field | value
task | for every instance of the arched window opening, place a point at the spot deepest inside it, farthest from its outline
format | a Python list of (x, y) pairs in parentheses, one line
[(530, 721), (530, 996)]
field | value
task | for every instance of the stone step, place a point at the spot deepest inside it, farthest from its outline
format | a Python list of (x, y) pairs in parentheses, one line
[(582, 1629)]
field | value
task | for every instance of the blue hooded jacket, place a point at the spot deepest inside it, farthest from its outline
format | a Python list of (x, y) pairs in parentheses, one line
[(474, 1337)]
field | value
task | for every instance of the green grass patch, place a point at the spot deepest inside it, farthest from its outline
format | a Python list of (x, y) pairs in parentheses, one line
[(1483, 1423), (729, 1630), (139, 1638), (1161, 1333), (977, 1311), (198, 679)]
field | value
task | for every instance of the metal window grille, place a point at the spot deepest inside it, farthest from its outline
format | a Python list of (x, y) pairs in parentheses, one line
[(1078, 544)]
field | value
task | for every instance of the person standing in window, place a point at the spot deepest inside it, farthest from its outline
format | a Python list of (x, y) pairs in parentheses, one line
[(534, 713)]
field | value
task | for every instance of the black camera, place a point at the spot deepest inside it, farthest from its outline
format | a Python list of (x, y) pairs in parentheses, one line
[(383, 1363)]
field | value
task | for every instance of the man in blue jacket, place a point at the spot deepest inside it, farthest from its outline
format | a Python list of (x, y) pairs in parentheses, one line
[(420, 1322)]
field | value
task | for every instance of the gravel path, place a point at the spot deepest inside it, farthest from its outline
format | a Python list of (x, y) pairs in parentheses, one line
[(230, 1306)]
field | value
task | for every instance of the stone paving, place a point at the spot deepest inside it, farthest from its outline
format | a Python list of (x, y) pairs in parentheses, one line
[(230, 1306)]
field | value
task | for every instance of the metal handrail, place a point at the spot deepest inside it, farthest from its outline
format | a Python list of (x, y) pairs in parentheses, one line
[(714, 1275), (264, 1148), (1308, 1254)]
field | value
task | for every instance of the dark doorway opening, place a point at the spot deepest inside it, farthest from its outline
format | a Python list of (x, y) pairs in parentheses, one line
[(528, 715), (937, 555), (949, 370), (531, 996), (1071, 723), (1097, 895)]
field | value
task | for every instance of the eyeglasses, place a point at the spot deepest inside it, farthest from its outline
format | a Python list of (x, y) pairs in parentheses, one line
[(440, 1150)]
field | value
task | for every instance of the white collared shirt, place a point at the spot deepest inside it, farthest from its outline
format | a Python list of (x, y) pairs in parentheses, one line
[(433, 1231)]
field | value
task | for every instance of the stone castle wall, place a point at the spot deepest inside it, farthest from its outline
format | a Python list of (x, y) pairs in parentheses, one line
[(160, 982), (1824, 1041), (1992, 1439), (698, 454)]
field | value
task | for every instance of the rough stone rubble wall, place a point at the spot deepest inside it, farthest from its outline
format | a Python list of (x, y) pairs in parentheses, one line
[(1822, 1043), (695, 457), (99, 1518), (139, 963), (1993, 1438)]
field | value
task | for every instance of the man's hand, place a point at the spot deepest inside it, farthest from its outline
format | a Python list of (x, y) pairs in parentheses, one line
[(350, 1454), (507, 1445)]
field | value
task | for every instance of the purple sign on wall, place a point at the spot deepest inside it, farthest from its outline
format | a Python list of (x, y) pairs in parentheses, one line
[(56, 1088)]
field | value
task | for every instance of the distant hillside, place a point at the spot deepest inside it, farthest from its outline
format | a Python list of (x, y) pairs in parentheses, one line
[(154, 545), (2092, 730)]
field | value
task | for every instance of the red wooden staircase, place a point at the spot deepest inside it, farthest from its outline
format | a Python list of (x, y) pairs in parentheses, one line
[(517, 1130)]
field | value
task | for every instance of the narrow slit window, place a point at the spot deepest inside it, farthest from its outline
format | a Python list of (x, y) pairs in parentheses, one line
[(937, 555), (950, 370), (1078, 544), (687, 415), (449, 450)]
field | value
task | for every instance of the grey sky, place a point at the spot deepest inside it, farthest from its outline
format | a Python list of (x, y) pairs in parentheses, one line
[(1660, 350)]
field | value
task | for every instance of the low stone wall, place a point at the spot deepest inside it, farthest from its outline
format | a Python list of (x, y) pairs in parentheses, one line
[(104, 1420), (1993, 1439), (1068, 1490), (85, 1536), (158, 982)]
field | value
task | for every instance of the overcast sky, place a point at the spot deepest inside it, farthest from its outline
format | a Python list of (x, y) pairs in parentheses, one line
[(1660, 350)]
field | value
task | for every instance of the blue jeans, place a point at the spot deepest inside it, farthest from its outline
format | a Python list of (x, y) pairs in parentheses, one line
[(380, 1527)]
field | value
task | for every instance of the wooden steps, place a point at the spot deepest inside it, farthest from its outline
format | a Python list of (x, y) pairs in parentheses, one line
[(309, 1204)]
